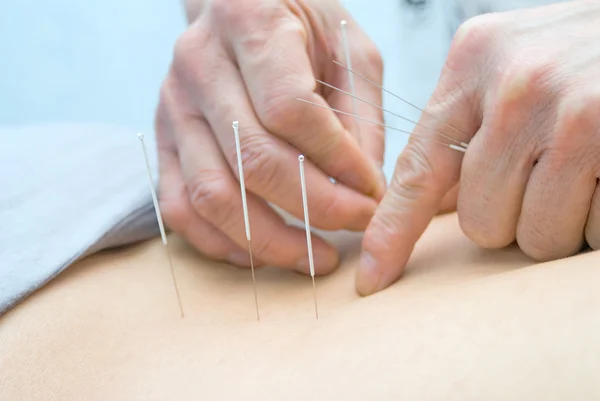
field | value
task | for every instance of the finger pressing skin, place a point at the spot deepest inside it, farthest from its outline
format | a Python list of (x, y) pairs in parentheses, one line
[(180, 216), (270, 164), (426, 170), (215, 195), (560, 190), (271, 51), (496, 169), (424, 174)]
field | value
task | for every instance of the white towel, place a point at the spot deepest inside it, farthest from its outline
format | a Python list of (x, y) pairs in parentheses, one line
[(67, 190)]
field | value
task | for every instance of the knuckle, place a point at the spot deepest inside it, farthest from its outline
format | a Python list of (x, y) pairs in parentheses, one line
[(251, 18), (187, 55), (414, 173), (412, 184), (280, 109), (374, 57), (260, 162), (537, 241), (223, 9), (473, 38), (211, 195), (172, 102), (231, 11), (182, 52), (574, 140), (385, 227), (526, 80), (578, 113)]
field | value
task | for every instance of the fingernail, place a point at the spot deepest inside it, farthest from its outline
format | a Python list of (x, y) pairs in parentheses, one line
[(368, 276), (239, 258), (325, 262)]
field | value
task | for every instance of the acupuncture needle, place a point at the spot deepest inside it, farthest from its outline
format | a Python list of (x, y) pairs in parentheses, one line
[(161, 225), (450, 145), (311, 262), (348, 57), (236, 133), (399, 98), (463, 144)]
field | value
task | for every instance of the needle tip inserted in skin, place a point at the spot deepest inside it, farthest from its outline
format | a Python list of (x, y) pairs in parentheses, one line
[(161, 225), (308, 236), (236, 134)]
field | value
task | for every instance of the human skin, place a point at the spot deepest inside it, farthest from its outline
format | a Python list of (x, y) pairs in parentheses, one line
[(248, 61), (523, 88), (464, 324)]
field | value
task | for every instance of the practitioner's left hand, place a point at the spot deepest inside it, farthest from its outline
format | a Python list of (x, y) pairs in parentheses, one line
[(524, 87)]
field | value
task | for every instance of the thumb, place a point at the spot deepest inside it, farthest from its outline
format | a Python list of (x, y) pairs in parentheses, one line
[(425, 172)]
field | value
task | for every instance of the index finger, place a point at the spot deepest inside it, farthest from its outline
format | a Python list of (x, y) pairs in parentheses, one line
[(424, 174), (272, 52)]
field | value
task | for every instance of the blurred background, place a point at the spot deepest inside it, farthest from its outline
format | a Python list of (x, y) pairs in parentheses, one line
[(104, 61), (85, 61)]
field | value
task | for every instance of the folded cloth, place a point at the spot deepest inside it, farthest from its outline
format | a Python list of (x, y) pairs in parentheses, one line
[(68, 190)]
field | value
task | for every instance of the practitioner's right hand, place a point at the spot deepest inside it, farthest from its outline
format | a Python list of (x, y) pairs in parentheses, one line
[(248, 60), (522, 87)]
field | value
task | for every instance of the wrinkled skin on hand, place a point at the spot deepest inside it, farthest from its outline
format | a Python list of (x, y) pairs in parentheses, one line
[(248, 61), (524, 86)]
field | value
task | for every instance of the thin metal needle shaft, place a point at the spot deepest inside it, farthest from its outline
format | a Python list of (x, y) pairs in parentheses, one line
[(454, 147), (399, 98), (307, 227), (174, 280), (236, 133), (346, 46), (161, 225), (462, 144), (253, 279)]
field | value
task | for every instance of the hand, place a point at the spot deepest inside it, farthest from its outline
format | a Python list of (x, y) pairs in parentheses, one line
[(525, 86), (248, 60)]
